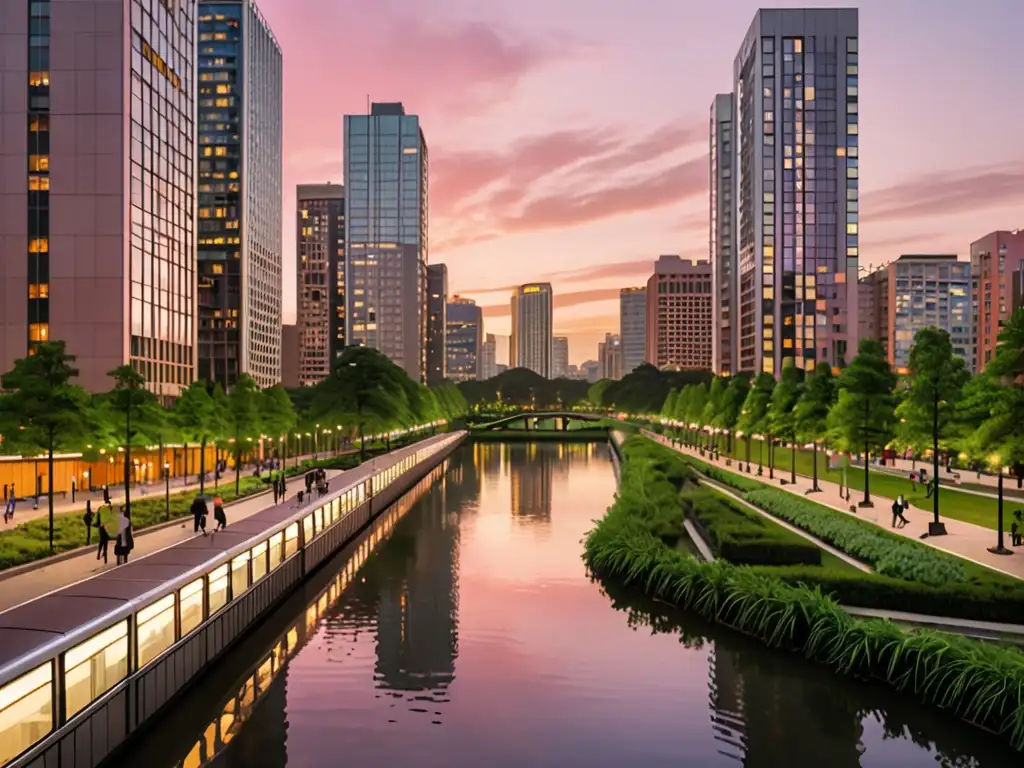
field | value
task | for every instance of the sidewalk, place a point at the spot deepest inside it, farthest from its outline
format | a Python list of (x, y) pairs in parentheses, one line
[(965, 540), (986, 487), (30, 584)]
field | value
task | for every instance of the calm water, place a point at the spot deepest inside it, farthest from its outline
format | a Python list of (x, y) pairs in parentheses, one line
[(465, 632)]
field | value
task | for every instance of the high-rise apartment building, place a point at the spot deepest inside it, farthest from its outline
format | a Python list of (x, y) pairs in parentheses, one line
[(796, 196), (532, 323), (559, 357), (679, 319), (437, 321), (723, 235), (997, 264), (873, 300), (489, 358), (609, 357), (320, 280), (929, 291), (97, 226), (386, 243), (633, 327), (465, 334), (240, 117), (290, 355)]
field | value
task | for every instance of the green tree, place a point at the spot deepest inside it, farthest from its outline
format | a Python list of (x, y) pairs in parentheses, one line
[(935, 386), (199, 420), (781, 413), (668, 408), (732, 404), (42, 409), (243, 409), (278, 416), (754, 414), (811, 412), (864, 416), (712, 408)]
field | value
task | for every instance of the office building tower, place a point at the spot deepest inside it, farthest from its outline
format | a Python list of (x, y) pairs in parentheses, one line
[(723, 235), (633, 327), (240, 117), (609, 357), (679, 315), (290, 356), (320, 280), (559, 357), (437, 321), (929, 291), (386, 243), (873, 301), (532, 323), (465, 339), (796, 198), (488, 368), (591, 370), (97, 227), (997, 263)]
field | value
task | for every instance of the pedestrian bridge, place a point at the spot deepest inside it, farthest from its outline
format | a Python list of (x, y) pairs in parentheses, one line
[(544, 420)]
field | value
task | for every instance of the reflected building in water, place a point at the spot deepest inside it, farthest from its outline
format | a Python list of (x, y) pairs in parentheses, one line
[(531, 474)]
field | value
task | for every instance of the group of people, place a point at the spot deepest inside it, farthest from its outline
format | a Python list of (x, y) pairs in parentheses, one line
[(200, 510), (125, 542), (315, 478)]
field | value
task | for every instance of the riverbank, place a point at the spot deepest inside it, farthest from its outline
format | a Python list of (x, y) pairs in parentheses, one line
[(636, 542)]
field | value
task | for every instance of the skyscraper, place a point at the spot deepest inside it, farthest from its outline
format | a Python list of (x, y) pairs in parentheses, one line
[(320, 282), (489, 358), (633, 327), (240, 149), (437, 321), (386, 243), (796, 156), (609, 357), (679, 315), (997, 262), (465, 338), (559, 357), (873, 309), (97, 227), (722, 236), (532, 323)]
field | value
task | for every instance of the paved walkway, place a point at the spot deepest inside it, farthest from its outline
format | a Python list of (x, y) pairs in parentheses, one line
[(963, 539), (969, 483), (30, 584)]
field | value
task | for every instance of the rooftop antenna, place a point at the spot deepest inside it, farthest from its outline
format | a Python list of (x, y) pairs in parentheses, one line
[(367, 103)]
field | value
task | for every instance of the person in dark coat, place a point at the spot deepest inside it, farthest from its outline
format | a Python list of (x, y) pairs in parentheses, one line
[(87, 519), (106, 494), (104, 543), (125, 541), (218, 514), (198, 510)]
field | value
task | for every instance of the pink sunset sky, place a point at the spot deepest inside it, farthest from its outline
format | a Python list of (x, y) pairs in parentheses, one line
[(568, 138)]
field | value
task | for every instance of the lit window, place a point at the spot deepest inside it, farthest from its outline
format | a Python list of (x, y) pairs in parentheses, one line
[(95, 666), (39, 290), (39, 162), (39, 245), (38, 332), (38, 78)]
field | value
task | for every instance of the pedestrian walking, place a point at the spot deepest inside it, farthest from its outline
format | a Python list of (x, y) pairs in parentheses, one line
[(198, 510), (277, 488), (9, 509), (284, 486), (106, 494), (104, 538), (87, 519), (74, 488), (125, 542), (913, 482), (218, 514), (309, 482), (898, 519)]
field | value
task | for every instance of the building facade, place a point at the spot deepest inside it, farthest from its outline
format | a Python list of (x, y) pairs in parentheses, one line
[(320, 279), (873, 298), (465, 339), (633, 327), (240, 118), (559, 357), (97, 225), (679, 314), (796, 195), (997, 264), (386, 238), (722, 235), (290, 344), (532, 323), (489, 358), (929, 291), (609, 357), (437, 321)]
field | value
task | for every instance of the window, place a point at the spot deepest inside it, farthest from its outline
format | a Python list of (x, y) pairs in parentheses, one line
[(291, 540), (275, 544), (94, 667), (307, 528), (39, 162), (190, 606), (37, 183), (319, 517), (155, 632), (26, 711), (239, 575), (217, 591), (38, 332), (39, 290), (259, 561)]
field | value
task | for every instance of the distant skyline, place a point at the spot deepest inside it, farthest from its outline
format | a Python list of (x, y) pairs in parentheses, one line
[(568, 141)]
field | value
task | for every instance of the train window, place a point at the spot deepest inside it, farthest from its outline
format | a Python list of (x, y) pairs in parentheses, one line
[(94, 667), (259, 561), (307, 528), (275, 543), (239, 575), (190, 606), (26, 711), (318, 516), (291, 540), (217, 591), (155, 629)]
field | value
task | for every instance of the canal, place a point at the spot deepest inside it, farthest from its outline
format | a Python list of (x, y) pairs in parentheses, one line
[(463, 630)]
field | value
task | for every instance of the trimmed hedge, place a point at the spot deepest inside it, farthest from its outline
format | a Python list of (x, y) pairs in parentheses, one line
[(744, 537)]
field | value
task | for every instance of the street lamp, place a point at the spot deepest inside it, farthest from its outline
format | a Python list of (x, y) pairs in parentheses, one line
[(999, 548), (167, 490)]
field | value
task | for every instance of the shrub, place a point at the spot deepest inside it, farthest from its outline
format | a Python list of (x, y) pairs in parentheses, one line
[(745, 537)]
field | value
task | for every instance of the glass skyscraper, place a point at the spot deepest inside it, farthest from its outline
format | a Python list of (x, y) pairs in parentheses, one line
[(437, 324), (464, 339), (386, 242), (795, 131), (240, 155), (98, 228), (532, 309)]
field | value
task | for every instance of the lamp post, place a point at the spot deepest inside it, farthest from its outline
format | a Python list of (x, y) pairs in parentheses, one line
[(167, 491), (999, 548)]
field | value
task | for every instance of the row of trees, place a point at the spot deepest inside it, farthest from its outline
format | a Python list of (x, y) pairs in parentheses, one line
[(937, 407), (43, 410)]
